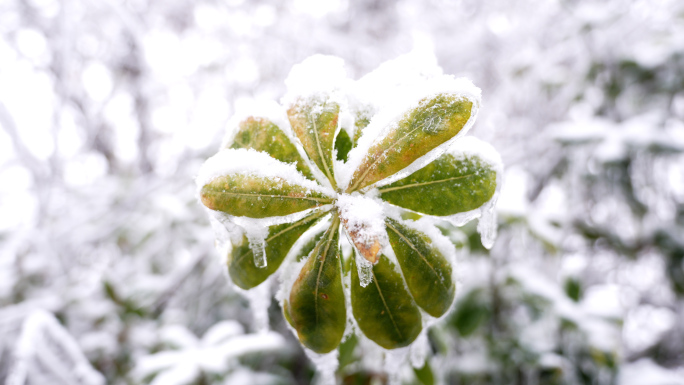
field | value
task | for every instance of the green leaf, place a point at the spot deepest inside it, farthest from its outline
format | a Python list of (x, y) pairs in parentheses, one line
[(259, 197), (317, 304), (306, 249), (343, 145), (279, 241), (426, 270), (363, 118), (263, 135), (314, 122), (347, 350), (470, 313), (384, 310), (425, 375), (447, 186), (422, 129)]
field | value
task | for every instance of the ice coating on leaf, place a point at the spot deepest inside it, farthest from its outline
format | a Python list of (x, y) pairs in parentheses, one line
[(386, 121), (267, 109), (363, 221), (249, 162)]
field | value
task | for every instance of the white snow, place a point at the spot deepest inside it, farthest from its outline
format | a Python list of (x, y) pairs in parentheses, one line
[(317, 76), (214, 353), (46, 353), (647, 372), (379, 87)]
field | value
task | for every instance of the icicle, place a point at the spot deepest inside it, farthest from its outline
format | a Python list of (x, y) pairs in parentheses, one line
[(256, 232), (419, 350), (487, 225), (257, 244), (365, 270), (326, 366), (259, 301)]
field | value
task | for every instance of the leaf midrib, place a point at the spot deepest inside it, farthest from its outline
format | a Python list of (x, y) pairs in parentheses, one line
[(323, 200), (320, 153), (411, 245), (413, 185), (333, 228), (379, 158), (389, 312)]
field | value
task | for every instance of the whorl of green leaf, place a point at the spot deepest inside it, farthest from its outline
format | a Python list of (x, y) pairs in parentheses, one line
[(447, 186), (317, 305), (427, 272), (314, 122), (384, 310)]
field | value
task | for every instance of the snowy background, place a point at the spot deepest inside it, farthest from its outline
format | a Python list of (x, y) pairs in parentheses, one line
[(108, 272)]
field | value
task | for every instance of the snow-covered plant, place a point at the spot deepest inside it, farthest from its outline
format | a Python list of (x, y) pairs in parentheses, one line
[(380, 160)]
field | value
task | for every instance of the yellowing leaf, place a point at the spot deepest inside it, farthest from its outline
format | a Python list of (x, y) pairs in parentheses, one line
[(433, 122), (259, 197), (314, 122), (263, 135)]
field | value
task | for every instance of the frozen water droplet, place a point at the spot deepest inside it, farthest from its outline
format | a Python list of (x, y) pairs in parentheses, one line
[(487, 225), (365, 270)]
